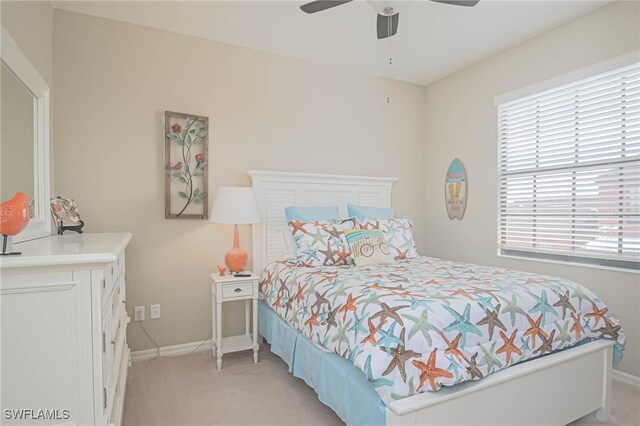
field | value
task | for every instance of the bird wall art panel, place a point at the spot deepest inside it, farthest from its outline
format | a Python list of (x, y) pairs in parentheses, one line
[(186, 166)]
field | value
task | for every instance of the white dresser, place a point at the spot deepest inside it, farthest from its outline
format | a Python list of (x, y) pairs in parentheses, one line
[(63, 345)]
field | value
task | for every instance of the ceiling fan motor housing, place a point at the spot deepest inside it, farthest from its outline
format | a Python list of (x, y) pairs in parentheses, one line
[(384, 7)]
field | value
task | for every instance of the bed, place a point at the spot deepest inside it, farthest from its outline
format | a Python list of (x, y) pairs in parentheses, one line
[(382, 334)]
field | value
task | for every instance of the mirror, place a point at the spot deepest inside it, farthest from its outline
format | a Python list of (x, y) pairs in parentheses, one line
[(18, 107), (24, 136)]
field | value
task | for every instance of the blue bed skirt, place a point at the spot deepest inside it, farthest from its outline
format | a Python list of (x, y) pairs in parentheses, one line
[(338, 383)]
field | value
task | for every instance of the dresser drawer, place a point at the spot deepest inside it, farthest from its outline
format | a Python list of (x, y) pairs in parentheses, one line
[(109, 279), (111, 273), (113, 346), (241, 289)]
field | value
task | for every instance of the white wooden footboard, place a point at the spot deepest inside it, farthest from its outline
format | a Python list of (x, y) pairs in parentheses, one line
[(553, 390)]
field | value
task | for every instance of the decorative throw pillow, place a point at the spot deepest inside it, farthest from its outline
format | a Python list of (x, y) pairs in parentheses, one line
[(368, 247), (288, 243), (397, 232), (321, 242)]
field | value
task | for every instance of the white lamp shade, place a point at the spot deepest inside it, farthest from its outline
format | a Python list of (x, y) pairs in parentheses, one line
[(235, 205)]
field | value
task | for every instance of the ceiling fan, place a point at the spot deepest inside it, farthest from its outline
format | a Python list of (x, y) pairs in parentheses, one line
[(388, 15)]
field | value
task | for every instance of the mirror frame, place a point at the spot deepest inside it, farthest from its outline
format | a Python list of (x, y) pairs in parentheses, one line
[(40, 224)]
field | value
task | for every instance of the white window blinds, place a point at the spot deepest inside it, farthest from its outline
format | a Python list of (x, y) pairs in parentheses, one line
[(569, 172)]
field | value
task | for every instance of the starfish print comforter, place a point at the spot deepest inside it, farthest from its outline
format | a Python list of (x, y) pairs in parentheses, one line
[(423, 323)]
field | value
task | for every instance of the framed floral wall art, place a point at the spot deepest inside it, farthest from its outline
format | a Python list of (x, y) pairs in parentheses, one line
[(186, 166)]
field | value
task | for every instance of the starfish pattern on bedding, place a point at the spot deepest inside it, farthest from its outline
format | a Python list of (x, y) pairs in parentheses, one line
[(610, 330), (340, 291), (297, 226), (563, 333), (542, 305), (335, 233), (388, 312), (489, 359), (388, 338), (329, 255), (310, 253), (353, 353), (341, 334), (316, 238), (563, 301), (472, 367), (321, 300), (462, 323), (343, 255), (399, 358), (411, 392), (535, 329), (577, 328), (547, 343), (429, 371), (579, 294), (350, 305), (598, 314), (313, 320), (454, 365), (369, 376), (452, 346), (509, 348), (341, 309), (331, 318), (492, 321), (512, 308), (421, 324), (373, 330), (357, 326), (416, 303), (485, 302)]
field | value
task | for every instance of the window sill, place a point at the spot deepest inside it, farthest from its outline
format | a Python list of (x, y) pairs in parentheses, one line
[(574, 264)]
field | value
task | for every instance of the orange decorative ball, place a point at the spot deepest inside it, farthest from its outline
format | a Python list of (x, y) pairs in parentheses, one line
[(14, 214)]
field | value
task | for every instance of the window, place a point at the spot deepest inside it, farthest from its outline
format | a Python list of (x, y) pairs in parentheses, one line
[(569, 171)]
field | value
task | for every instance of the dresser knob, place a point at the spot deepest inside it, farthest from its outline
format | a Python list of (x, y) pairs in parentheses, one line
[(237, 290)]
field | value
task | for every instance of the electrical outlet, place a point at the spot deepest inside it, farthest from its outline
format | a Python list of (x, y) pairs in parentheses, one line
[(154, 311), (138, 313)]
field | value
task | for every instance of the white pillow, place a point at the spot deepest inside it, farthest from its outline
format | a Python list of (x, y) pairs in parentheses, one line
[(288, 243)]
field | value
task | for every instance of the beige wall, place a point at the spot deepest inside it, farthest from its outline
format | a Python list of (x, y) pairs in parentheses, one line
[(460, 121), (113, 82), (30, 24)]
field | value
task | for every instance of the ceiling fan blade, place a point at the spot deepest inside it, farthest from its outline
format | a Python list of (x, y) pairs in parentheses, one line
[(468, 3), (320, 5), (387, 26)]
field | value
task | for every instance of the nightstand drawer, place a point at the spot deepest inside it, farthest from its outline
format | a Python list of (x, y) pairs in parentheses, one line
[(232, 290)]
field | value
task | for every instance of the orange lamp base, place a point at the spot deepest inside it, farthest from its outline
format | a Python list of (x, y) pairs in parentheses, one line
[(236, 258)]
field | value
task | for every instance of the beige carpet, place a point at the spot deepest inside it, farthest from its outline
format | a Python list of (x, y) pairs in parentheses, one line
[(188, 390)]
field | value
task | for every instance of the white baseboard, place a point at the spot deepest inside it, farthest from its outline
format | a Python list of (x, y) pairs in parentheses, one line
[(174, 350), (622, 377)]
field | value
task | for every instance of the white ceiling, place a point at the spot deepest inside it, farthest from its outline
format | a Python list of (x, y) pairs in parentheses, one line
[(433, 39)]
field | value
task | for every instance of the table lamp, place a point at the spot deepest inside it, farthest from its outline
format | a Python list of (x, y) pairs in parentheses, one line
[(235, 206)]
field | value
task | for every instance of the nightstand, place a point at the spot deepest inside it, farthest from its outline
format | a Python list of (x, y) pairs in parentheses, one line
[(229, 288)]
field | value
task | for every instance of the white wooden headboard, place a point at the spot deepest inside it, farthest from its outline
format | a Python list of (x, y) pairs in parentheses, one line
[(276, 190)]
